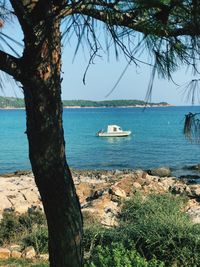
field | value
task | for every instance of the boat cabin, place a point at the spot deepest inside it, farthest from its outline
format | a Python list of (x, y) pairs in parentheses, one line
[(114, 128), (113, 131)]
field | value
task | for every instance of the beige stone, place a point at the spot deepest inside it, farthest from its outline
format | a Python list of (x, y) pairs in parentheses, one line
[(15, 247), (148, 180), (126, 184), (4, 253), (161, 172), (44, 257), (29, 253), (101, 193), (32, 196), (4, 203), (117, 191), (109, 221), (196, 192), (140, 174), (16, 254), (21, 207), (84, 190), (167, 183), (194, 213), (137, 186)]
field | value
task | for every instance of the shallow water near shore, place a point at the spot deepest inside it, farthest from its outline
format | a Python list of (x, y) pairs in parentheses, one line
[(157, 139)]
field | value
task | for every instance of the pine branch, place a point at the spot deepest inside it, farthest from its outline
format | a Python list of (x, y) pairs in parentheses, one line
[(10, 65)]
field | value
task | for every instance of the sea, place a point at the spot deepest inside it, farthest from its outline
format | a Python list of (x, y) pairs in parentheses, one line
[(157, 139)]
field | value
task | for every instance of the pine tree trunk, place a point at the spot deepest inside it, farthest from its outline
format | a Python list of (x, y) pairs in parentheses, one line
[(53, 178), (42, 90)]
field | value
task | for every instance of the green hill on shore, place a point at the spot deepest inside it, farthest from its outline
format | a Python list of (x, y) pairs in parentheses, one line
[(12, 102)]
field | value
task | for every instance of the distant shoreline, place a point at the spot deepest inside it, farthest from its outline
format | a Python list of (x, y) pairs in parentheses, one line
[(18, 103), (80, 107), (137, 106), (11, 108)]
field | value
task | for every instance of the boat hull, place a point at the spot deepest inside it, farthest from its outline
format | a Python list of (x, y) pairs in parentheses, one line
[(122, 134)]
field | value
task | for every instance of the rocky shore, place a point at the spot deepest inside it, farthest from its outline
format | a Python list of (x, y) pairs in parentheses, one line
[(101, 193)]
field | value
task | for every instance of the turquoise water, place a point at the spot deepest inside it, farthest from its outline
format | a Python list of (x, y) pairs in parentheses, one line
[(156, 139)]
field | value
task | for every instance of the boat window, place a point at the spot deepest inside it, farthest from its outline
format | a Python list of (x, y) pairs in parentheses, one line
[(114, 129), (120, 129)]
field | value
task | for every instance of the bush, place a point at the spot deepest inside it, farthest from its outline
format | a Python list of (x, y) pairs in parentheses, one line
[(119, 256), (9, 227), (96, 234), (38, 238), (31, 218), (160, 228), (28, 229)]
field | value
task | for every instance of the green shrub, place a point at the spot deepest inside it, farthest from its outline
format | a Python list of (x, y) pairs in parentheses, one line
[(29, 229), (38, 238), (96, 234), (31, 218), (160, 228), (119, 256), (9, 227)]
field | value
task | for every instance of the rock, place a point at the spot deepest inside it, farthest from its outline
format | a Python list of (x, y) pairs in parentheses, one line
[(194, 213), (117, 191), (140, 174), (101, 193), (110, 217), (161, 172), (16, 254), (22, 172), (94, 195), (21, 207), (109, 220), (195, 192), (189, 176), (190, 181), (29, 253), (90, 190), (18, 193), (194, 167), (167, 183), (44, 257), (31, 196), (4, 253), (147, 181), (178, 189), (137, 186), (15, 247), (117, 172), (84, 190), (126, 183), (104, 210), (4, 203), (85, 205)]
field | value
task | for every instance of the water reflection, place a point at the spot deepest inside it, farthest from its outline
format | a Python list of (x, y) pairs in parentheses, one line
[(118, 140)]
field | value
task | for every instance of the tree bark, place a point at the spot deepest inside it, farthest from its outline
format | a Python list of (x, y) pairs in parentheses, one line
[(40, 76), (53, 177)]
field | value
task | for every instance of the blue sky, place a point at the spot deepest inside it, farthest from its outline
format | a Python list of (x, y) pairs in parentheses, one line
[(103, 74)]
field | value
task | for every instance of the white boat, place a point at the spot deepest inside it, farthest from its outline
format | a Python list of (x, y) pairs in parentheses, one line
[(113, 131)]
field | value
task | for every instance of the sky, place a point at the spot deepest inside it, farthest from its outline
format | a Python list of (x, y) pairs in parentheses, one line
[(103, 74)]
